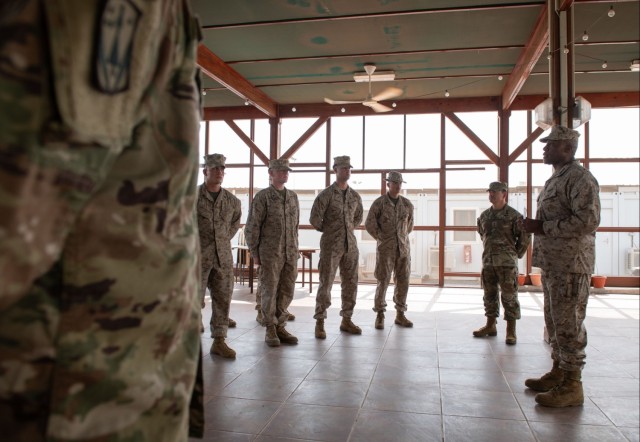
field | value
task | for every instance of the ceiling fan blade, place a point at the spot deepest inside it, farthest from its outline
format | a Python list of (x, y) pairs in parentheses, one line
[(330, 101), (388, 94), (377, 107)]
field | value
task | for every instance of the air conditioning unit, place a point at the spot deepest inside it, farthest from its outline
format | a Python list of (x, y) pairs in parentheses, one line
[(434, 260), (633, 259)]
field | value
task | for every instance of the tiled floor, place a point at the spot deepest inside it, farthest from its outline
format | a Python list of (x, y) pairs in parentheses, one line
[(433, 382)]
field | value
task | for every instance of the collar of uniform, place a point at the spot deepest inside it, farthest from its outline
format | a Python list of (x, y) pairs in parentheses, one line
[(565, 168), (337, 189)]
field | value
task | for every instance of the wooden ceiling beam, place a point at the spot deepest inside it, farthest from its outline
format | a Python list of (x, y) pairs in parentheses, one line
[(217, 69), (527, 60)]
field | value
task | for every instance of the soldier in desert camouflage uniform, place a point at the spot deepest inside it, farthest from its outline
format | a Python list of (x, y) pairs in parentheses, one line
[(218, 221), (99, 308), (564, 248), (272, 237), (336, 212), (390, 221), (504, 242)]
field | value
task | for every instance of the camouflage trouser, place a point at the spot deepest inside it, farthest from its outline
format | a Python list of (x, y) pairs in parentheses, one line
[(277, 284), (565, 307), (506, 279), (99, 311), (327, 268), (219, 280), (386, 264), (258, 290)]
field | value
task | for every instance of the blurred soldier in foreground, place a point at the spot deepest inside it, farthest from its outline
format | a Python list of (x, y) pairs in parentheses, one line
[(504, 242), (218, 221), (390, 221), (336, 212), (564, 248), (99, 308), (272, 237)]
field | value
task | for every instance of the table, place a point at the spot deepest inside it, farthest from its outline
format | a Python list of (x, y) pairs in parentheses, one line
[(307, 253)]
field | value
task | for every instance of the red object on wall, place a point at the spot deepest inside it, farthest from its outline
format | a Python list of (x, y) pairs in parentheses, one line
[(467, 254)]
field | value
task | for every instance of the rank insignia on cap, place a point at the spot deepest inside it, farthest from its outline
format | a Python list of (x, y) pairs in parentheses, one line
[(114, 45)]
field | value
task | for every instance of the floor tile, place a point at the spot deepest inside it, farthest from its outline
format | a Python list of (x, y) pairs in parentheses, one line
[(374, 425), (312, 422)]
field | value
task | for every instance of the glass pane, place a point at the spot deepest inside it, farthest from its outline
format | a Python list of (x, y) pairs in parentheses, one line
[(518, 131), (262, 131), (616, 174), (463, 178), (313, 151), (484, 125), (423, 141), (384, 135), (222, 139), (299, 180), (346, 139), (613, 133), (260, 178), (619, 207)]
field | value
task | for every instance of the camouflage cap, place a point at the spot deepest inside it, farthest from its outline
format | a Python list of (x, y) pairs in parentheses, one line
[(396, 177), (497, 185), (561, 133), (343, 161), (214, 160), (279, 165)]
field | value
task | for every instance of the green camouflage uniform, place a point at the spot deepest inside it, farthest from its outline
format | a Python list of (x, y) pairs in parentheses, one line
[(390, 225), (569, 207), (99, 311), (218, 222), (336, 213), (272, 235), (504, 241)]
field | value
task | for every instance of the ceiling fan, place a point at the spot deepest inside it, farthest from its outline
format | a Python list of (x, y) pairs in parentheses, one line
[(372, 101)]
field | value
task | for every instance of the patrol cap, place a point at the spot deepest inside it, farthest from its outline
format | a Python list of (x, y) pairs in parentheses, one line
[(343, 161), (561, 133), (279, 165), (395, 177), (496, 186), (214, 160)]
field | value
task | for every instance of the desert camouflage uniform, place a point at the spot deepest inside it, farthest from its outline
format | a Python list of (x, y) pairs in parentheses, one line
[(569, 206), (218, 222), (504, 241), (336, 213), (272, 235), (99, 311), (390, 224)]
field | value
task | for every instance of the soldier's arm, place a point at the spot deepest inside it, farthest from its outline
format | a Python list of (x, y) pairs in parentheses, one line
[(522, 238), (410, 223), (252, 230), (235, 221), (585, 211), (359, 213), (317, 210), (371, 224)]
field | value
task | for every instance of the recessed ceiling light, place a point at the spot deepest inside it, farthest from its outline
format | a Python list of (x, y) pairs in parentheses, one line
[(361, 77), (635, 65)]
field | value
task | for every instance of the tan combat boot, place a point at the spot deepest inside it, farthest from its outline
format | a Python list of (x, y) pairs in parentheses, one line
[(320, 333), (232, 323), (271, 336), (291, 317), (548, 380), (511, 338), (402, 320), (567, 394), (348, 326), (219, 347), (379, 324), (259, 317), (488, 330), (284, 336)]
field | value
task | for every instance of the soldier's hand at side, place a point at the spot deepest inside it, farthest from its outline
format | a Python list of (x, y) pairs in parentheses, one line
[(532, 226)]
